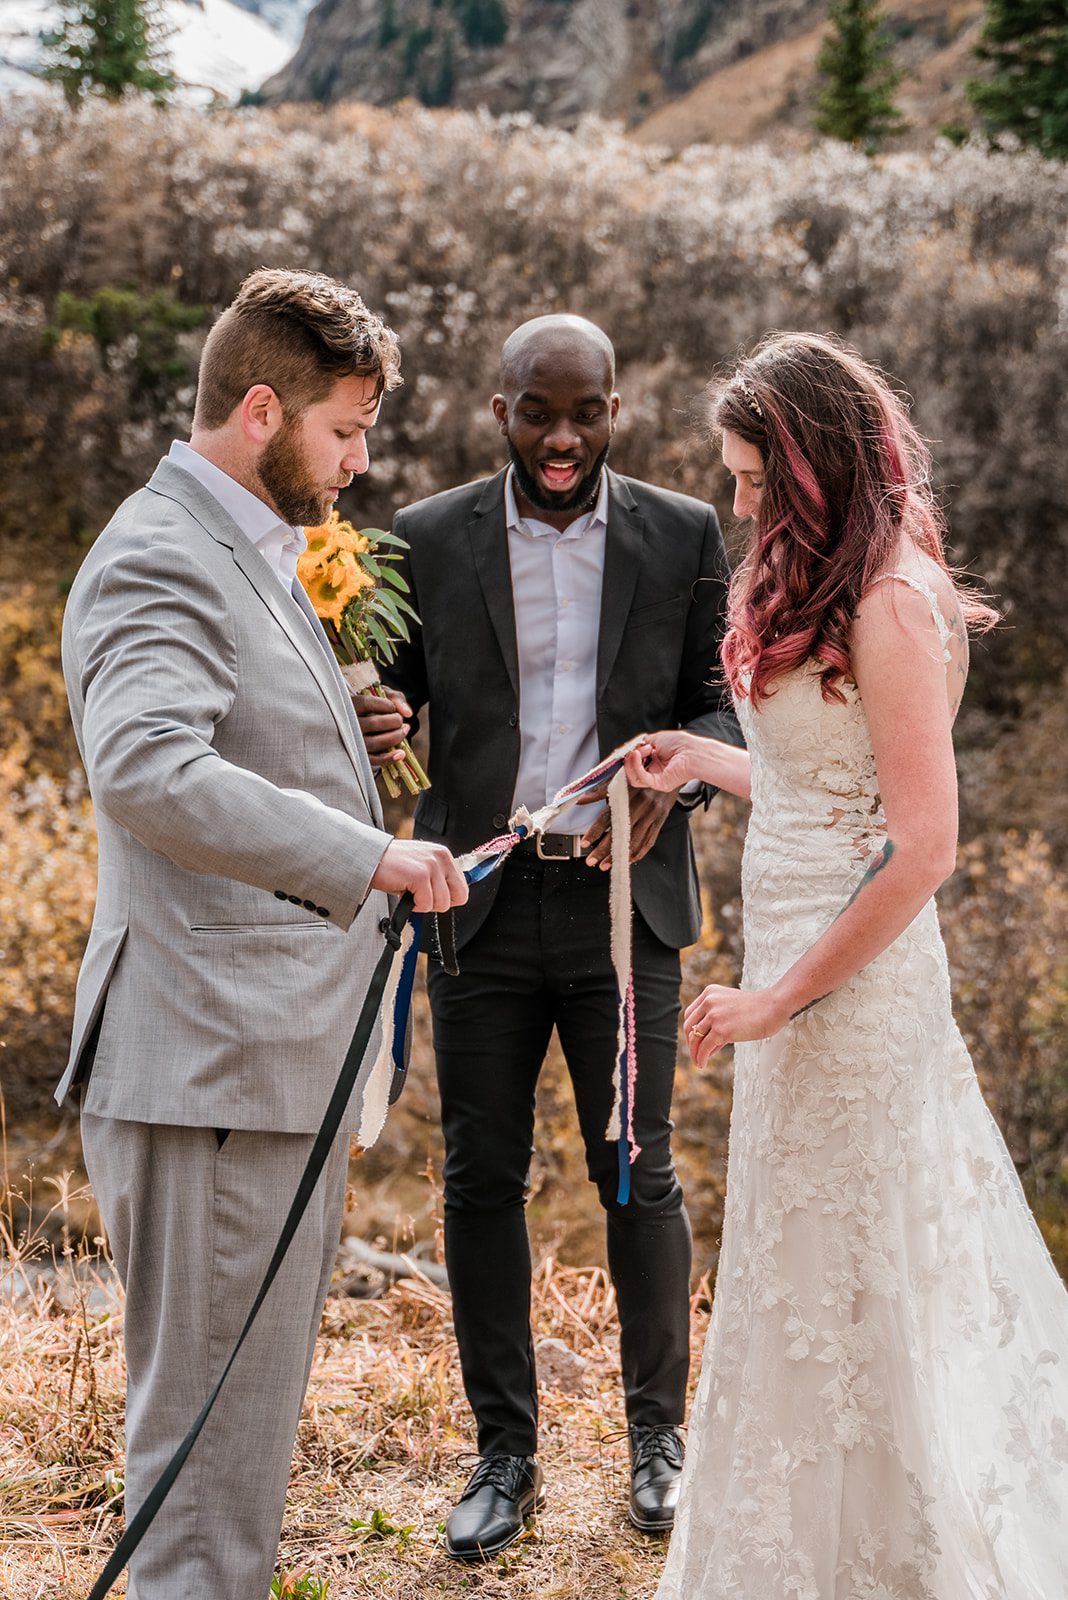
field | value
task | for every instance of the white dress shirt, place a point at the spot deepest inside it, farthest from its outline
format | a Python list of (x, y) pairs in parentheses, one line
[(556, 588), (277, 542)]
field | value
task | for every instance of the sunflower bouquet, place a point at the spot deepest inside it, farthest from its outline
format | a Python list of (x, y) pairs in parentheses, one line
[(351, 579)]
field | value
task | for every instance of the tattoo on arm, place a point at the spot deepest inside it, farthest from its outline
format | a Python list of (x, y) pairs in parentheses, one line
[(873, 872), (802, 1009), (881, 860)]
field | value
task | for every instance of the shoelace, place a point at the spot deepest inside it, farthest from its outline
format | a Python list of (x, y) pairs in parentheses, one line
[(503, 1472), (662, 1440)]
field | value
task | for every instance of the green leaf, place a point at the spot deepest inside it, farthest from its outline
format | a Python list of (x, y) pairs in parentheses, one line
[(403, 605), (396, 579), (388, 614), (386, 538), (397, 629), (381, 639), (371, 564)]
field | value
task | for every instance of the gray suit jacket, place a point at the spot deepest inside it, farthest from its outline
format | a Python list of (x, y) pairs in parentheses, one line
[(235, 929)]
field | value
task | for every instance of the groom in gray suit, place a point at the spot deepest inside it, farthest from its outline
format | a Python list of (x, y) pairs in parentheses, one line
[(243, 874)]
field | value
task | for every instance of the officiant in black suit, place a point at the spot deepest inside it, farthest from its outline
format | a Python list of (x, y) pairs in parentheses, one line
[(564, 608)]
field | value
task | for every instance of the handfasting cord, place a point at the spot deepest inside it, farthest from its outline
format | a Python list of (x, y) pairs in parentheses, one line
[(391, 990), (478, 864)]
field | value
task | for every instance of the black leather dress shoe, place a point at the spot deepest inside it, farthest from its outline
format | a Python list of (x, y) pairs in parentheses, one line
[(655, 1470), (501, 1493)]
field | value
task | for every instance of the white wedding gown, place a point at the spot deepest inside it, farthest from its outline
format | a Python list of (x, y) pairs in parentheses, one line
[(882, 1411)]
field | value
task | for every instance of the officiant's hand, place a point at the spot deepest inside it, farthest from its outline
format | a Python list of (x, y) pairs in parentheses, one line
[(722, 1016), (649, 810), (384, 723), (428, 870)]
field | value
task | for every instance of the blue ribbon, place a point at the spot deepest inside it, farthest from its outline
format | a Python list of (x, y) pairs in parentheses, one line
[(402, 1003), (623, 1145), (623, 1192), (484, 868)]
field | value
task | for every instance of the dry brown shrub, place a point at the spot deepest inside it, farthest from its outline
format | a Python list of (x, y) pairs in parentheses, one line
[(949, 266), (1006, 920)]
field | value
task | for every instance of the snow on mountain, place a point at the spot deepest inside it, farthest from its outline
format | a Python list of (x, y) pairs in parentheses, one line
[(284, 16), (216, 48)]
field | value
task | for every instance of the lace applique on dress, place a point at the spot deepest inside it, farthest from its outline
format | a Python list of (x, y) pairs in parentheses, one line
[(882, 1411)]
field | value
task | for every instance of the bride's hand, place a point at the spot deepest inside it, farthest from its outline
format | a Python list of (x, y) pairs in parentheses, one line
[(722, 1016), (661, 761)]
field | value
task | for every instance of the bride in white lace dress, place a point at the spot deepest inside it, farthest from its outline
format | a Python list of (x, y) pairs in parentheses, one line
[(882, 1411)]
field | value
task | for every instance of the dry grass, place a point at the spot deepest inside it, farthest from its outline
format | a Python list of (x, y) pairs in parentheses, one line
[(380, 1451)]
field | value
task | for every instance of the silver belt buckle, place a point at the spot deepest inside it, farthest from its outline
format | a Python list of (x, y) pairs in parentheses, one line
[(566, 855)]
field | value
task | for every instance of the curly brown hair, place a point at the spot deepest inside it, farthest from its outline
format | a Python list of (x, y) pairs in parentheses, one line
[(298, 333), (846, 474)]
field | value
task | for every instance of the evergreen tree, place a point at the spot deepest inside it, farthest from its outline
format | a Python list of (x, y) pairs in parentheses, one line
[(108, 48), (1025, 44), (856, 100), (443, 86), (388, 27), (484, 23)]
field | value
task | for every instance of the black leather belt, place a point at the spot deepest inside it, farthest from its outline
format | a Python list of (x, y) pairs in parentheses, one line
[(554, 847)]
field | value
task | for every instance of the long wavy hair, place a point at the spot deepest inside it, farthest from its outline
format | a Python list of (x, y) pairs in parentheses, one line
[(846, 475)]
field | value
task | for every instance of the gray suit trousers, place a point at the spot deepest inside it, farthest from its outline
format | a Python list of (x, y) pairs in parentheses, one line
[(192, 1227)]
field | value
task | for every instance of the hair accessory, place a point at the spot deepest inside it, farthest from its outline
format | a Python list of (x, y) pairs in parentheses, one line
[(751, 401)]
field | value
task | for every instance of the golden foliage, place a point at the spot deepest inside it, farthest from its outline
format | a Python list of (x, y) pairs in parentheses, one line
[(47, 891), (47, 844), (33, 701)]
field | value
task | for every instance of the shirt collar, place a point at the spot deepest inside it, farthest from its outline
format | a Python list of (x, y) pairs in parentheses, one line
[(277, 542), (537, 529)]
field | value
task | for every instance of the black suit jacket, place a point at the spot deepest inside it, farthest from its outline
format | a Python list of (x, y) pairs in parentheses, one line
[(662, 611)]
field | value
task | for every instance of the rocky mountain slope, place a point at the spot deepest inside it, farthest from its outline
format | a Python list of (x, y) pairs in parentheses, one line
[(681, 70), (769, 93)]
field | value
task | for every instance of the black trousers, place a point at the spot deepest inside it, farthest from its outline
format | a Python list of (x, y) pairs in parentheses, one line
[(541, 959)]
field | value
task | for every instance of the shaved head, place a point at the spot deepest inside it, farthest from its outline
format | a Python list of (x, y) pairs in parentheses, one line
[(547, 340), (557, 409)]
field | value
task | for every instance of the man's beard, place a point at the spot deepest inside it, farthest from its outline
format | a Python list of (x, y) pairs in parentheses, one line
[(284, 472), (580, 498)]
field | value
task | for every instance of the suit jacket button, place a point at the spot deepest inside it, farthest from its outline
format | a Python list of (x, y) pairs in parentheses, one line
[(321, 911), (384, 924), (294, 899), (500, 820), (280, 894), (309, 905), (513, 720)]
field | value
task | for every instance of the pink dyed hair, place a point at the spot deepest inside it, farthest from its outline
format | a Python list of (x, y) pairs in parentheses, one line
[(845, 475)]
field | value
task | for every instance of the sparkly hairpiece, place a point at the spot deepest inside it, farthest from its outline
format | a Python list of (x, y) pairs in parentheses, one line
[(751, 401)]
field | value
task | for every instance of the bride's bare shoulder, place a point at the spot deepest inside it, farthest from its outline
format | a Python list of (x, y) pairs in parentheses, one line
[(916, 599)]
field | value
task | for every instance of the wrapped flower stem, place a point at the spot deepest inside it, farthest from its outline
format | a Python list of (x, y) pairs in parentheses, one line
[(406, 769)]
